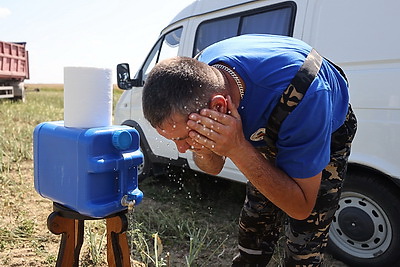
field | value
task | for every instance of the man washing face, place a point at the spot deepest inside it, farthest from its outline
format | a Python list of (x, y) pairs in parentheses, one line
[(281, 113)]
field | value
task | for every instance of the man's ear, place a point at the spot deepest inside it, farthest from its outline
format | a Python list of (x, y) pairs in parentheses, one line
[(218, 103)]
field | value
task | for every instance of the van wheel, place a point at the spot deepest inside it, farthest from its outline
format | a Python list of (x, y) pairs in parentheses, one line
[(366, 227), (144, 169)]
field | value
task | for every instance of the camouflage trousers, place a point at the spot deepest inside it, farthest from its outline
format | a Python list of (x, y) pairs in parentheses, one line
[(262, 224)]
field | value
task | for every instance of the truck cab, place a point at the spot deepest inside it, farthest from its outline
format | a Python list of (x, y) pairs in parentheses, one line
[(359, 36)]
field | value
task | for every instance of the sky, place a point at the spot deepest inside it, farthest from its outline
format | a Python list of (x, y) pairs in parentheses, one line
[(84, 33)]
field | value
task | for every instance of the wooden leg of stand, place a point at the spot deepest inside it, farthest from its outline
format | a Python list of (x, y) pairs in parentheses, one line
[(118, 253), (71, 239)]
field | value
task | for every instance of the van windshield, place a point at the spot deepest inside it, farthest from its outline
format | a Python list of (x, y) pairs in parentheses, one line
[(167, 46)]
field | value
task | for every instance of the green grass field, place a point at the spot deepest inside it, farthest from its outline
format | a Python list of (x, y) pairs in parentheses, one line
[(185, 219)]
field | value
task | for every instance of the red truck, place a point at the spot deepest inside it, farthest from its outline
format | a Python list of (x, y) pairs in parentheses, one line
[(14, 69)]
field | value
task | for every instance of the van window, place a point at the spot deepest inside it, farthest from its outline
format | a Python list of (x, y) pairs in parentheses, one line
[(273, 20), (214, 31), (167, 46)]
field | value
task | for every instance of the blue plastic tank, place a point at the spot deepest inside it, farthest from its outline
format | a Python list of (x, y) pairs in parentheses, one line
[(87, 170)]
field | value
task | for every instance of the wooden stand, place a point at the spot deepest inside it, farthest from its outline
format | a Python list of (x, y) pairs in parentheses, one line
[(70, 224)]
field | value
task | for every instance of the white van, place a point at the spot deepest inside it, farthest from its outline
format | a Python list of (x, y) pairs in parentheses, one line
[(361, 36)]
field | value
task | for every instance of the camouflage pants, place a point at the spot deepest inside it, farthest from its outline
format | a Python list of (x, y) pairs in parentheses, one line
[(261, 222)]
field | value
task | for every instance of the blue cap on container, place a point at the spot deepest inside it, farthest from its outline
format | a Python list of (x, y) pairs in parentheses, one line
[(121, 139)]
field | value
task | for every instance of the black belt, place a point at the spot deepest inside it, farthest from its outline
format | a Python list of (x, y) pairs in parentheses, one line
[(291, 97)]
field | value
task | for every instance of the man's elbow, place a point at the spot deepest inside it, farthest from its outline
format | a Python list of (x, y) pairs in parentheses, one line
[(214, 171), (299, 216), (300, 213)]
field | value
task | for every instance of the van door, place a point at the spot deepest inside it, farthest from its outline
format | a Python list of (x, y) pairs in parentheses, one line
[(130, 104)]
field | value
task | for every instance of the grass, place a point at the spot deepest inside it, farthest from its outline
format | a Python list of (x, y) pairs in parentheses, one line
[(176, 225), (185, 219), (196, 224)]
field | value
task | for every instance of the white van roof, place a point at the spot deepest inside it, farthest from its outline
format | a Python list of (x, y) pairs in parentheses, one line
[(199, 7)]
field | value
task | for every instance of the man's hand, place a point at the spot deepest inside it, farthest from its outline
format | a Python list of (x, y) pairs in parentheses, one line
[(218, 132)]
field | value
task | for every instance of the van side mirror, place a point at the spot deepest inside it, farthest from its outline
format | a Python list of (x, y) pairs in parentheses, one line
[(124, 77)]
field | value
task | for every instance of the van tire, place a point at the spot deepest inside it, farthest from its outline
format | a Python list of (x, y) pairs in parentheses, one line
[(366, 227), (144, 169)]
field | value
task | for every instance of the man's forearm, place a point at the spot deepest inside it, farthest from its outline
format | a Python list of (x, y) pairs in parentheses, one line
[(274, 184), (210, 163)]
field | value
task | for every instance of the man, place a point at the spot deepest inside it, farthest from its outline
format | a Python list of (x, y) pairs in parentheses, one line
[(281, 113)]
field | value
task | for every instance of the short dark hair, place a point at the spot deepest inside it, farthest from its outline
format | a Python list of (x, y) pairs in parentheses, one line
[(178, 85)]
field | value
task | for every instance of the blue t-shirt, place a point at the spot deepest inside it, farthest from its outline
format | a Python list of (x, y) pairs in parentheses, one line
[(267, 64)]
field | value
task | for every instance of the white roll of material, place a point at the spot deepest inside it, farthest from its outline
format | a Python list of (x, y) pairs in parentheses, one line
[(87, 97)]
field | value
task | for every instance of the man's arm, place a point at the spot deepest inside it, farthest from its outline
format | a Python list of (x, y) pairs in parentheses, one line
[(223, 134), (209, 162), (296, 197)]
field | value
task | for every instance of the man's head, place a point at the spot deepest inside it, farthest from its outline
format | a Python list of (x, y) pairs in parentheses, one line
[(179, 85)]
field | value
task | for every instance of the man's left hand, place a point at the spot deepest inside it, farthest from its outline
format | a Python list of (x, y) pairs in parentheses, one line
[(219, 132)]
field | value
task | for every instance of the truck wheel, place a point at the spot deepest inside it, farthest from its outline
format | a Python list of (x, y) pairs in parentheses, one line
[(19, 91), (366, 227)]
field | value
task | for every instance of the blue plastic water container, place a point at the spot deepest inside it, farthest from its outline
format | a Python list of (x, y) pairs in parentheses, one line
[(87, 170)]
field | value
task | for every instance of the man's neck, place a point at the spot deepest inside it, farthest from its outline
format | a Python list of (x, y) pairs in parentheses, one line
[(230, 85)]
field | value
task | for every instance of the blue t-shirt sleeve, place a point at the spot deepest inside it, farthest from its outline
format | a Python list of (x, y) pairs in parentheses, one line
[(305, 135)]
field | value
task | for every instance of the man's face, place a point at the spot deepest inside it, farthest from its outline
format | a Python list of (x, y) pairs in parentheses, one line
[(175, 129)]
